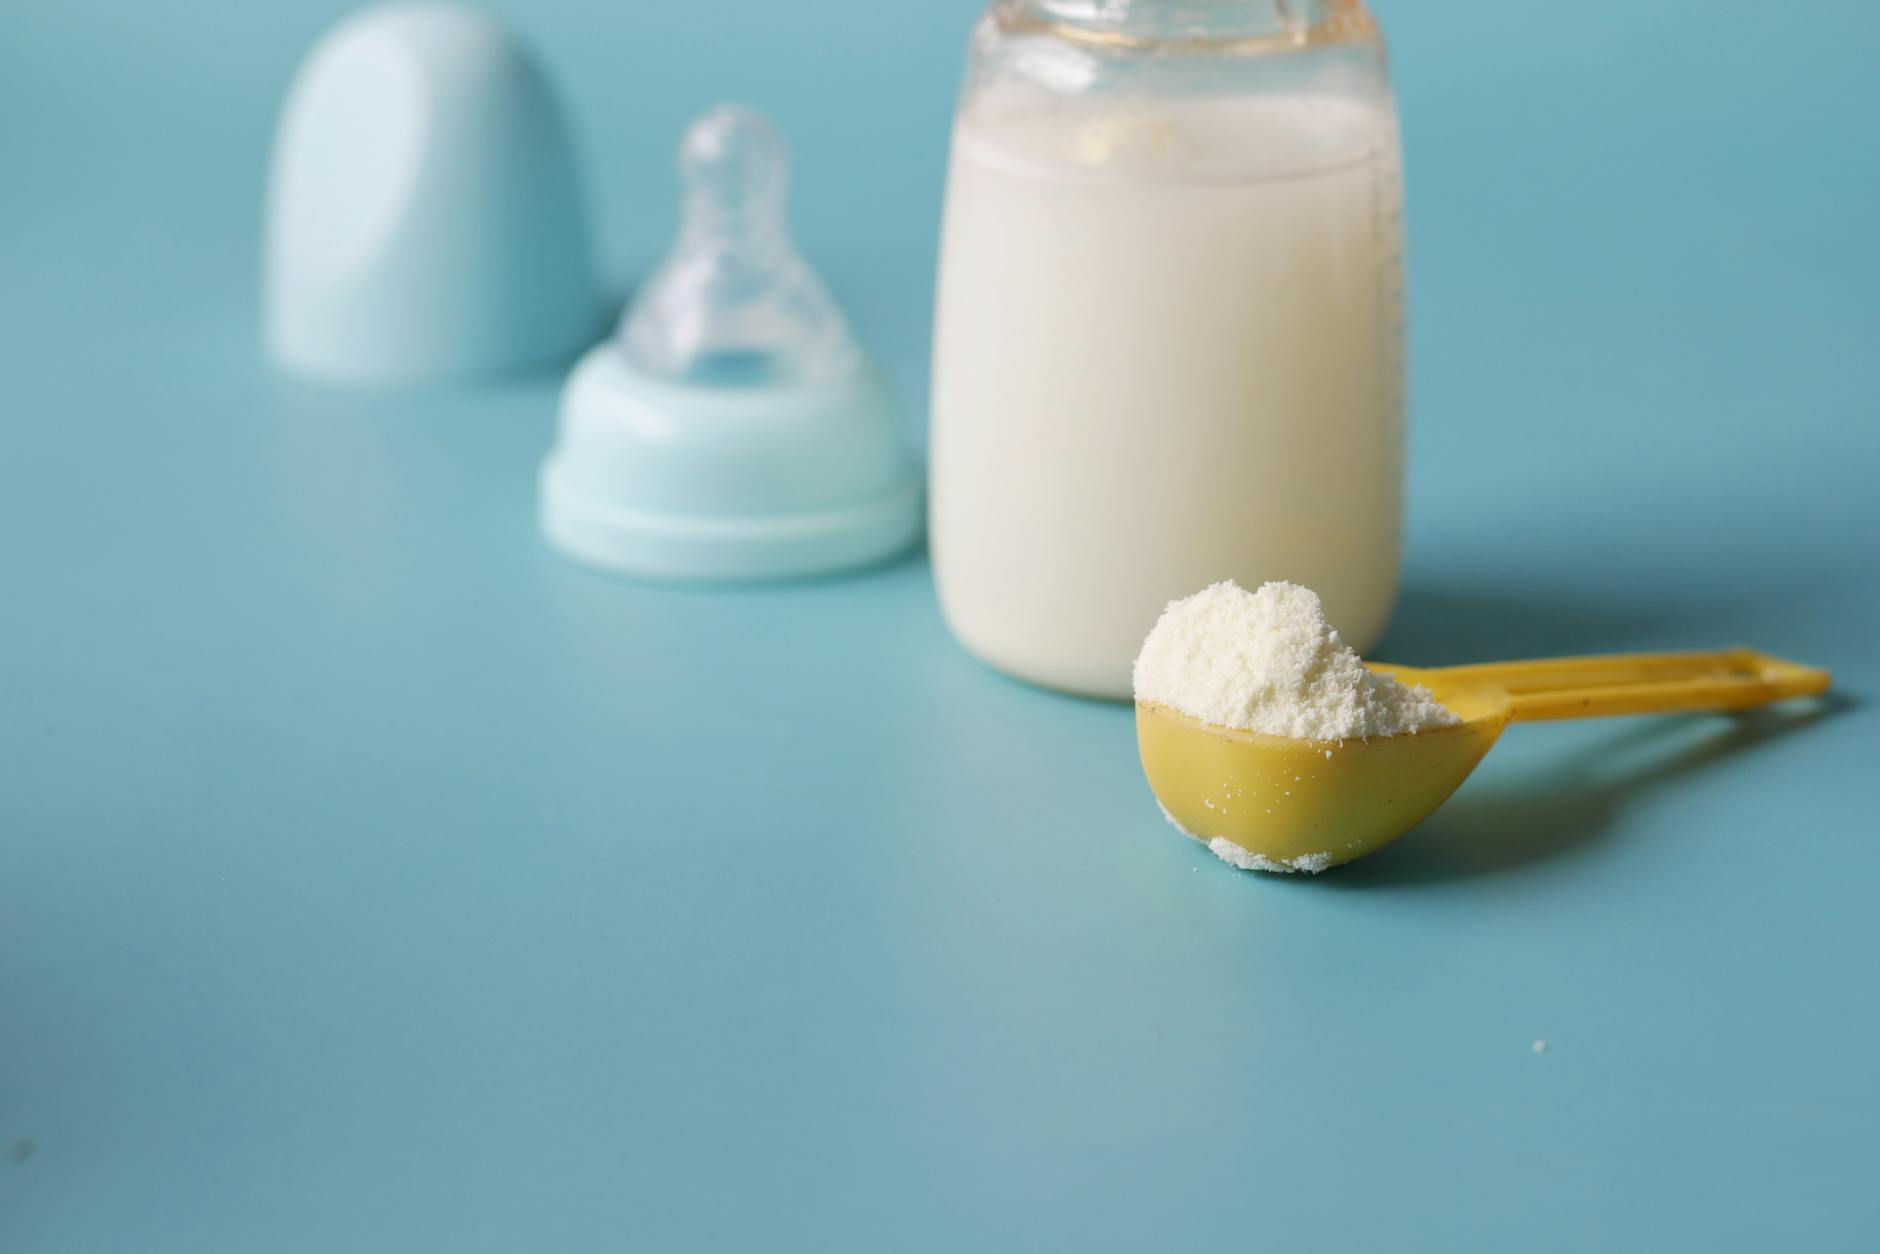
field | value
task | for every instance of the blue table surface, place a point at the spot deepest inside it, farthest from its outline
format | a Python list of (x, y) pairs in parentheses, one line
[(373, 879)]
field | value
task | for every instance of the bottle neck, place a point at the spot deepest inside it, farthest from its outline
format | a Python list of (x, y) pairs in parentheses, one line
[(1157, 22)]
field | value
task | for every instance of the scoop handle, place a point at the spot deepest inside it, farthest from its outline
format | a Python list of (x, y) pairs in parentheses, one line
[(1642, 683)]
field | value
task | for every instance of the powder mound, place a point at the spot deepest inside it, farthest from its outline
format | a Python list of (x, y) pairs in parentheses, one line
[(1268, 662)]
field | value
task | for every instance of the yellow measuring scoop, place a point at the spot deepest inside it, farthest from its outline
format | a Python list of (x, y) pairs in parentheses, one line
[(1307, 805)]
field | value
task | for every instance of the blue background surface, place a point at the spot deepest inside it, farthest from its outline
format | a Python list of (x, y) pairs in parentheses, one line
[(372, 879)]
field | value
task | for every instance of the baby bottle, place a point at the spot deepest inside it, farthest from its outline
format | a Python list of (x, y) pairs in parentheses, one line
[(1168, 340)]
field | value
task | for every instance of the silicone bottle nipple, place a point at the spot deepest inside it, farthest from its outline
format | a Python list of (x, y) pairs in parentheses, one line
[(733, 303), (731, 429)]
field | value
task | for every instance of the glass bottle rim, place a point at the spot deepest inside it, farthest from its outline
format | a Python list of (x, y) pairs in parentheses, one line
[(1194, 27)]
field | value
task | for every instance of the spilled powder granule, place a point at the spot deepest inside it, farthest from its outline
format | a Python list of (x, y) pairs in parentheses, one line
[(1247, 860), (1267, 661)]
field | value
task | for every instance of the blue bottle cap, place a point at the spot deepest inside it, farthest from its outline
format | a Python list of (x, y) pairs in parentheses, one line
[(424, 218)]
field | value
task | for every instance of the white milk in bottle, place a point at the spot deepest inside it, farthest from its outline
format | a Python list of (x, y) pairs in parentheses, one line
[(1167, 352)]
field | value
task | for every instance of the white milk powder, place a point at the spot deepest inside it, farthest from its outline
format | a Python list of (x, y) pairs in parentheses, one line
[(1268, 661), (1247, 860)]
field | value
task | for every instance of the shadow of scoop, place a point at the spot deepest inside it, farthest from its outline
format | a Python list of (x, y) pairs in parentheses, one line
[(1545, 814)]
